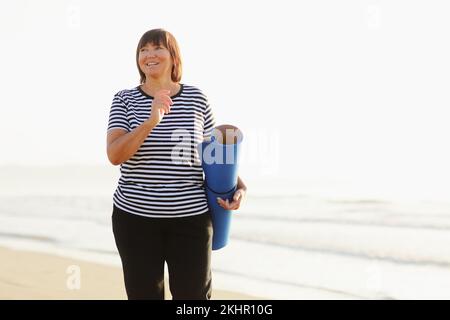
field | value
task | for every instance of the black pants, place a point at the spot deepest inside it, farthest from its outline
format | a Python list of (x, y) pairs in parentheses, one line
[(144, 245)]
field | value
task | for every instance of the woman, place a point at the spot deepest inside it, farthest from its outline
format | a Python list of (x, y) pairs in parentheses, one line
[(160, 212)]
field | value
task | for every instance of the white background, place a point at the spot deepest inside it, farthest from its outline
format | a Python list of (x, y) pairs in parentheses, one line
[(353, 91)]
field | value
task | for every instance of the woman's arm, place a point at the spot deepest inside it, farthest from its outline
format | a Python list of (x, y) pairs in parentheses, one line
[(241, 184), (238, 196), (121, 145)]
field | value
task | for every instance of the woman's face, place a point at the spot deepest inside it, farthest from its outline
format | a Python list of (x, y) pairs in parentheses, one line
[(155, 61)]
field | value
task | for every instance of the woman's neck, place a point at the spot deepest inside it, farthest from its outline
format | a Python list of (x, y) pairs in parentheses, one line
[(151, 86)]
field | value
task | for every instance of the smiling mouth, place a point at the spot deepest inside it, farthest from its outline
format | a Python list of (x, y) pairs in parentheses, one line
[(150, 64)]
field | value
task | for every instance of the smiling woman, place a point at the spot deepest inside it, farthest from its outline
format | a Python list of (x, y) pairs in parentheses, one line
[(158, 48), (160, 211)]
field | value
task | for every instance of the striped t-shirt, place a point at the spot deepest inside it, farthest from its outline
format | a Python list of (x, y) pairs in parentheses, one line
[(164, 178)]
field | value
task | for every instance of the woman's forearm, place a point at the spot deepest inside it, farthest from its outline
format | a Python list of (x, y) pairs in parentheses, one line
[(241, 184), (124, 147)]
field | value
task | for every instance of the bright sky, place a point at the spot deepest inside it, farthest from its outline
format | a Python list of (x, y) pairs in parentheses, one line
[(353, 90)]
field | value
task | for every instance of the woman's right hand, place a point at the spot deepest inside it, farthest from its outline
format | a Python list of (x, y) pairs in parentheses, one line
[(160, 106)]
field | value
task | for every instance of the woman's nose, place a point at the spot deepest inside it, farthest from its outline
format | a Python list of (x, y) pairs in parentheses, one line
[(150, 54)]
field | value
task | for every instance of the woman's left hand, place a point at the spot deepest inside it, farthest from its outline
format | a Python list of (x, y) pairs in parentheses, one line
[(238, 196)]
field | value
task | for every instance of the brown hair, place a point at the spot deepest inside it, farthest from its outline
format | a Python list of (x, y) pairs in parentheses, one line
[(162, 37)]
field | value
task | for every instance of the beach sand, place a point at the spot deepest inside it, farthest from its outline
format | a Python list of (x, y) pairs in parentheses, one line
[(29, 275)]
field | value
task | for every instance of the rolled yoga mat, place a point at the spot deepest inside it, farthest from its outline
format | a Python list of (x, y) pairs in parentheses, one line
[(219, 157)]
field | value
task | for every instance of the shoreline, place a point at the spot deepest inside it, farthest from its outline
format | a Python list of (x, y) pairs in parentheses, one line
[(29, 275)]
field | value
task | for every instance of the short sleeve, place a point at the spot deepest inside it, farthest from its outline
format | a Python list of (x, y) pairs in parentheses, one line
[(209, 122), (118, 114)]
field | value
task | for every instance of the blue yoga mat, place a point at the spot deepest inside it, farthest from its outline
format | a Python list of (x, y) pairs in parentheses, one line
[(219, 157), (221, 218)]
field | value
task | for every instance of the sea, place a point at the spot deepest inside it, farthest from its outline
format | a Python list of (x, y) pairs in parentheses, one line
[(291, 239)]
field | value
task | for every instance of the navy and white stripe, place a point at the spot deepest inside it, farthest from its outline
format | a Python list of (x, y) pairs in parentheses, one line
[(153, 182)]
